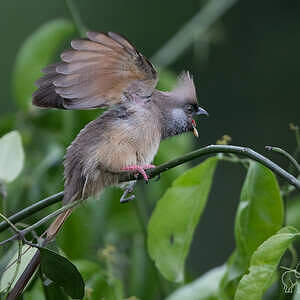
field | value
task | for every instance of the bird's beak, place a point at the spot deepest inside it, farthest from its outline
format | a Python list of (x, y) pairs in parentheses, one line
[(201, 111)]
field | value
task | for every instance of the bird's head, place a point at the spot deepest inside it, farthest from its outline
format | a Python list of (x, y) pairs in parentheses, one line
[(183, 106)]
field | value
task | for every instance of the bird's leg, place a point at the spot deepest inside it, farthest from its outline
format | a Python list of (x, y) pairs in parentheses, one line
[(139, 169), (128, 189)]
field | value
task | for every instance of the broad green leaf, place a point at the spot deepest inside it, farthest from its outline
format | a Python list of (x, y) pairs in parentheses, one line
[(102, 287), (170, 149), (61, 271), (260, 213), (263, 265), (8, 275), (37, 51), (259, 216), (203, 288), (175, 218), (11, 156)]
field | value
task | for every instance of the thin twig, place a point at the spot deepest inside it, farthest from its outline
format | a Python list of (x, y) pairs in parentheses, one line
[(197, 26), (286, 155), (76, 17), (32, 209), (17, 231), (14, 228), (208, 150), (40, 222), (17, 266)]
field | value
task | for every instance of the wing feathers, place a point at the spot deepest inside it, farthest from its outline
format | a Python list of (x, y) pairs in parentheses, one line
[(98, 72)]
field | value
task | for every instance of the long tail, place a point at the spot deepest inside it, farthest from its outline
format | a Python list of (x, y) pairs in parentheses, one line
[(51, 232)]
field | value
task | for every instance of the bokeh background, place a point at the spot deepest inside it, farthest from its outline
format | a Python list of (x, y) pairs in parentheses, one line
[(246, 69)]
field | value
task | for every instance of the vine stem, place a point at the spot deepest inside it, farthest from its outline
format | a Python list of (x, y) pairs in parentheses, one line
[(32, 209), (287, 155), (208, 150), (40, 222), (20, 244), (197, 26), (76, 17)]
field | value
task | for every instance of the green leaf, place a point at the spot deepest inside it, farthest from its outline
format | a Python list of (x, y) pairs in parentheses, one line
[(175, 217), (260, 213), (27, 254), (167, 80), (53, 291), (38, 50), (259, 216), (170, 149), (87, 268), (204, 288), (11, 156), (61, 271), (102, 287), (263, 265)]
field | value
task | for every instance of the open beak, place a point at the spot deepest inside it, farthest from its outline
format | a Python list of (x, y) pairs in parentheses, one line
[(199, 112)]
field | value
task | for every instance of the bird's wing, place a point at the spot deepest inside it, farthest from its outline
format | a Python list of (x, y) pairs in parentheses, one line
[(100, 71)]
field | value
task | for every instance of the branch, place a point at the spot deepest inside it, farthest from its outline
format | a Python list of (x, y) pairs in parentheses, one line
[(208, 150), (213, 149), (287, 155), (197, 26), (32, 209), (40, 222)]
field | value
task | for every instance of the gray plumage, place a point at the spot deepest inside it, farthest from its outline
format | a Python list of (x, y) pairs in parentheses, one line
[(107, 71)]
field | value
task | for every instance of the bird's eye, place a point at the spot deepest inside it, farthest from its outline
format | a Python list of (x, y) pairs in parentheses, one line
[(189, 108)]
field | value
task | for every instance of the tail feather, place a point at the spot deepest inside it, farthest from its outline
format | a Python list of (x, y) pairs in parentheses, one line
[(57, 224)]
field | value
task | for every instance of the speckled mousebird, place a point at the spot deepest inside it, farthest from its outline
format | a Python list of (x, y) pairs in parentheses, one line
[(106, 71)]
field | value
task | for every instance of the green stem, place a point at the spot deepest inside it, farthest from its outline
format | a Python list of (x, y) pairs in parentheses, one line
[(14, 228), (17, 266), (76, 17), (32, 209), (40, 222), (287, 155), (197, 26)]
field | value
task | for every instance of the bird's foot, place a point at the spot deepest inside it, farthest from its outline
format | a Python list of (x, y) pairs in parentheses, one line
[(128, 190), (139, 170)]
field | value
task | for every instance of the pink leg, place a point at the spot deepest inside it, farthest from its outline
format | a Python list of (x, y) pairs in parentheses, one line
[(145, 167), (139, 169)]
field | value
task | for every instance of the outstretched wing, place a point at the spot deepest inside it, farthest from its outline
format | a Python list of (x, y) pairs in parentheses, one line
[(100, 71)]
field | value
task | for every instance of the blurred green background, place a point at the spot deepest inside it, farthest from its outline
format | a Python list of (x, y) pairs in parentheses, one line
[(246, 69)]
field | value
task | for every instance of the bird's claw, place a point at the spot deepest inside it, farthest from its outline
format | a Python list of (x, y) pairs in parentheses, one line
[(139, 170), (128, 190)]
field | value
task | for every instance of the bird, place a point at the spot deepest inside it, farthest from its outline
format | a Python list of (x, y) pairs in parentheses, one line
[(104, 70)]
